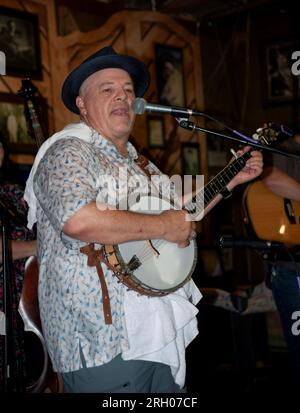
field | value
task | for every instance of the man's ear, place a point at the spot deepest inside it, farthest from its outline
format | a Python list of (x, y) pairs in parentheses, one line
[(80, 104)]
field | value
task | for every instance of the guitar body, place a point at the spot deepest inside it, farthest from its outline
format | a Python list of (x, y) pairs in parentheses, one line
[(48, 381), (272, 218), (161, 266)]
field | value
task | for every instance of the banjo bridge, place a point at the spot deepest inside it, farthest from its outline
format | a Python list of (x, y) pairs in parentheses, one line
[(132, 265)]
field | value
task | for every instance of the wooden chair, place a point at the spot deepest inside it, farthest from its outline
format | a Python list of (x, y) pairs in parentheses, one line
[(48, 381)]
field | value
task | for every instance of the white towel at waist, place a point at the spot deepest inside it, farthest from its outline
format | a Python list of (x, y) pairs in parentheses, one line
[(160, 328)]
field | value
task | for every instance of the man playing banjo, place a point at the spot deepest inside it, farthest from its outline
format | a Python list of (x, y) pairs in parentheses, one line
[(101, 334)]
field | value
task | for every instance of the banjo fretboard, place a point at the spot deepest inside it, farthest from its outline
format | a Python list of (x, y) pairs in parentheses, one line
[(214, 186)]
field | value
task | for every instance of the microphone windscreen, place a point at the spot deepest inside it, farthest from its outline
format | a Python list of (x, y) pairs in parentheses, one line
[(139, 105)]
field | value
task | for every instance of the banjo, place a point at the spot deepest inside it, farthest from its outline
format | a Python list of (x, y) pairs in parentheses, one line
[(159, 267)]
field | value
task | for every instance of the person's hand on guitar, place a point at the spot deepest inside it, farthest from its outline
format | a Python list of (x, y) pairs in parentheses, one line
[(252, 169)]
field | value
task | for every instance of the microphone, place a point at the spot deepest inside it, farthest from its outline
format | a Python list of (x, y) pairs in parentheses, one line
[(228, 242), (140, 106)]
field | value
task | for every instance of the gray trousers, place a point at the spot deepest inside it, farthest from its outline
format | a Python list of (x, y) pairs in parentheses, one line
[(120, 376)]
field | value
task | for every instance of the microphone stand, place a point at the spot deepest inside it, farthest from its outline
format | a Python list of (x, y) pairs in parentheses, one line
[(187, 124), (8, 344)]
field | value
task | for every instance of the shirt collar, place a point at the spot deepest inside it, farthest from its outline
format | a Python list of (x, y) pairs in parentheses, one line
[(104, 144)]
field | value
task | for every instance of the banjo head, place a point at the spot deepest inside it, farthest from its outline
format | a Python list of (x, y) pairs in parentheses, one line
[(166, 271), (152, 267)]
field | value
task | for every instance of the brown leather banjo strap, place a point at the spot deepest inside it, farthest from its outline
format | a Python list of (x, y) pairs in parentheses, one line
[(143, 162), (96, 256), (94, 260)]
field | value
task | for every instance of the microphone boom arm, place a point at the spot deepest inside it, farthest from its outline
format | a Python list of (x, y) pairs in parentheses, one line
[(189, 125)]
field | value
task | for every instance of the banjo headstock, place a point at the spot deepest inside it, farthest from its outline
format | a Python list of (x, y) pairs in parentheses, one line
[(271, 133)]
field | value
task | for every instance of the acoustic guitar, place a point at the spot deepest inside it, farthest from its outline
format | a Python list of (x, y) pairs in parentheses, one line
[(270, 216)]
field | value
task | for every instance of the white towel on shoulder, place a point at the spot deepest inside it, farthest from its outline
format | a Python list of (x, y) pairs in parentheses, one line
[(77, 130)]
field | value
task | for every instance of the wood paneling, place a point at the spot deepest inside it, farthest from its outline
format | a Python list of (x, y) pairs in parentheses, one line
[(136, 33), (45, 11), (132, 32)]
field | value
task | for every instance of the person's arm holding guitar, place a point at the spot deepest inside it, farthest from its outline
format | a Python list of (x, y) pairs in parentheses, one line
[(280, 183)]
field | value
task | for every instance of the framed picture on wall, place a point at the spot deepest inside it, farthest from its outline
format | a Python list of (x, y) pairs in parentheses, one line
[(216, 151), (281, 85), (13, 124), (170, 76), (156, 132), (190, 154), (19, 40)]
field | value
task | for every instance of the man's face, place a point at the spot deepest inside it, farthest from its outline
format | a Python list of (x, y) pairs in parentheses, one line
[(105, 103)]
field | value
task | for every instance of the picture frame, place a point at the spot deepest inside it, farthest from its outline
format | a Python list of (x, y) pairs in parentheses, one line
[(170, 75), (190, 155), (19, 40), (281, 86), (156, 132), (13, 124), (216, 151)]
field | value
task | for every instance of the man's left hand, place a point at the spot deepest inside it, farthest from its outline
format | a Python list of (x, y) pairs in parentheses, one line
[(252, 169)]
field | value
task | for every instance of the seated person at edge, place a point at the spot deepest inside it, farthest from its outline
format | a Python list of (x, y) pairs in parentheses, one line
[(102, 336), (282, 177)]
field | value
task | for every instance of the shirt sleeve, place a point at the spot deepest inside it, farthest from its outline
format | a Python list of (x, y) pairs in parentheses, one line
[(66, 180)]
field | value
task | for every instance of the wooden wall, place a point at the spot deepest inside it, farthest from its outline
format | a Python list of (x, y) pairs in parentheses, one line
[(136, 33), (132, 32), (48, 43)]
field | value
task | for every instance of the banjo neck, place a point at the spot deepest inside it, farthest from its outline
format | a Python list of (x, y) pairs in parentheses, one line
[(266, 134), (205, 195)]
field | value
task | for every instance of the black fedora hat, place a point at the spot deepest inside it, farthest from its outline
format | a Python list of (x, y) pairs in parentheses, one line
[(105, 58)]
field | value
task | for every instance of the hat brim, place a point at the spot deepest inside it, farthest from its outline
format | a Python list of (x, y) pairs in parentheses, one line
[(137, 70)]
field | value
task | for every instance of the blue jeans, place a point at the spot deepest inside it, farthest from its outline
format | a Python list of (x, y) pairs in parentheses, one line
[(286, 290)]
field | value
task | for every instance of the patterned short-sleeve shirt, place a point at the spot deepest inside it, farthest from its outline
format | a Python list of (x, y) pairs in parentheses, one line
[(72, 174)]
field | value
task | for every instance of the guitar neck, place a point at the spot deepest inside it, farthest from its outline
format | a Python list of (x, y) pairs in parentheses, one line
[(215, 185), (28, 91), (36, 127)]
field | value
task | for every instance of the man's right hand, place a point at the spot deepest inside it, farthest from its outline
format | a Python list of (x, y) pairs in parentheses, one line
[(177, 228)]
